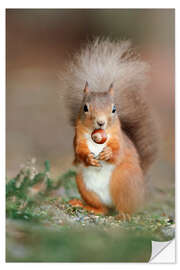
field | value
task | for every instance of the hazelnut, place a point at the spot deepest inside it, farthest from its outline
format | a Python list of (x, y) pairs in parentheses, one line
[(99, 136)]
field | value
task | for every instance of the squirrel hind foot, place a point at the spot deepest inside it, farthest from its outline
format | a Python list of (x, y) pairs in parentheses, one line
[(76, 203), (93, 210)]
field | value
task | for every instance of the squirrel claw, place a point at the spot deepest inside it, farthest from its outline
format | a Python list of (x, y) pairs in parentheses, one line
[(106, 154), (123, 216), (92, 161)]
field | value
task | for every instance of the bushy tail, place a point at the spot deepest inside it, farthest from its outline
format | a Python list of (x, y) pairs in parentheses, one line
[(100, 63)]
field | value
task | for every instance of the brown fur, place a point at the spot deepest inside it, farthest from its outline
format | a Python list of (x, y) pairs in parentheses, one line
[(138, 124)]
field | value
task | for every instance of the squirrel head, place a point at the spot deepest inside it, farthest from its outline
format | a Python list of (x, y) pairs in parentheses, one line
[(98, 109)]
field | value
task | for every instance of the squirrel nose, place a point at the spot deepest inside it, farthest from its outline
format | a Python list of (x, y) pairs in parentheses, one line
[(101, 123)]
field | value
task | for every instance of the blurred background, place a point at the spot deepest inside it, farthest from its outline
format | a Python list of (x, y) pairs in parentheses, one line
[(38, 42)]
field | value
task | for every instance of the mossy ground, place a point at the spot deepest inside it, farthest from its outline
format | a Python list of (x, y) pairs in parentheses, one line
[(43, 227)]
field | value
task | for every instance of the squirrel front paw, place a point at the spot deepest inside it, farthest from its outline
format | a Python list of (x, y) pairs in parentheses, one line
[(106, 153), (91, 161)]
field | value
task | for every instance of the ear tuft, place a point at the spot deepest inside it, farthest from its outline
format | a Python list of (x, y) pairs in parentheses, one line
[(86, 88), (111, 89)]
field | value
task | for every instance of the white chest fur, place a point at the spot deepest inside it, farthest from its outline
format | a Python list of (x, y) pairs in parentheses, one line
[(97, 179)]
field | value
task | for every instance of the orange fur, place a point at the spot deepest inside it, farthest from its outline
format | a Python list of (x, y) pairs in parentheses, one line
[(79, 203), (76, 203), (127, 181), (127, 184), (82, 153), (81, 149), (115, 143)]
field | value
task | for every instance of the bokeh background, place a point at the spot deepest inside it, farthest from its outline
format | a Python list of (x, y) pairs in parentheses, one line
[(38, 43)]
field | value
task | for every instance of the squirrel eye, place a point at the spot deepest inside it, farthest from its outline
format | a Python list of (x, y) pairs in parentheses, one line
[(114, 109), (85, 108)]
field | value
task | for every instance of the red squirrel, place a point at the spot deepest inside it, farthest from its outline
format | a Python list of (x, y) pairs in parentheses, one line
[(110, 174)]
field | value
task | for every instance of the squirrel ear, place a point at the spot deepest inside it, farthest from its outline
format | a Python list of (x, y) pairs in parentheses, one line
[(111, 89), (86, 88)]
